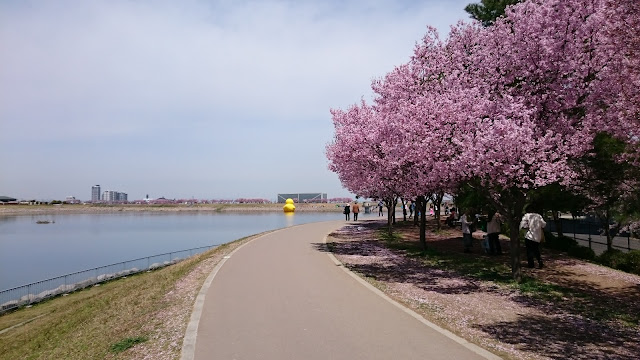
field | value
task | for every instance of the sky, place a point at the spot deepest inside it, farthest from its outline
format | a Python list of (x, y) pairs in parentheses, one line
[(190, 99)]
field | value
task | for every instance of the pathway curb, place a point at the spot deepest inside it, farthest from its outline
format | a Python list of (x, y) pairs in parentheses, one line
[(471, 346)]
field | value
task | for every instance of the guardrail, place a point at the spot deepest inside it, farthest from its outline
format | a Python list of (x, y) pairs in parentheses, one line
[(41, 290), (590, 233)]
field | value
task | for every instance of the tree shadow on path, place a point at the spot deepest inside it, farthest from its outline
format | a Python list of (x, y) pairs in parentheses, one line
[(580, 320)]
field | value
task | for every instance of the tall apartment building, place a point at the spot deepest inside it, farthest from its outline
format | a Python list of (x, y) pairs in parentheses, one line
[(114, 196), (95, 193)]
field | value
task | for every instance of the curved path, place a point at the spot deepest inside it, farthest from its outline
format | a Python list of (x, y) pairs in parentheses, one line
[(281, 297)]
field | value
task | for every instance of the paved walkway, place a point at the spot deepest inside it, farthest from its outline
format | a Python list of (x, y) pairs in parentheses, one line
[(281, 297)]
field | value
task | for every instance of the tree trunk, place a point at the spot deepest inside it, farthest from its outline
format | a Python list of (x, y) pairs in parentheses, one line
[(513, 208), (395, 204), (606, 230), (404, 209), (416, 210), (389, 203), (436, 209), (514, 245), (422, 206)]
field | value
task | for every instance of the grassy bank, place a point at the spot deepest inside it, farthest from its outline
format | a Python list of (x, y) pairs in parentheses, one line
[(144, 315)]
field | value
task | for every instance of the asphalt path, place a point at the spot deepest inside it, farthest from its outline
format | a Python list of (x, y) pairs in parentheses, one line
[(281, 296)]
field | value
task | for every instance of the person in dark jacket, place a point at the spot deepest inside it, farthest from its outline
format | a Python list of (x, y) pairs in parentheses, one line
[(347, 212)]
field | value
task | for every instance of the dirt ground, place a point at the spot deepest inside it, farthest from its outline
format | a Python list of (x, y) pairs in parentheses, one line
[(571, 309)]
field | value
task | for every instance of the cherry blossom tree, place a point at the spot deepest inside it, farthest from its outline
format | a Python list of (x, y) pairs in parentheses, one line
[(360, 156), (511, 105)]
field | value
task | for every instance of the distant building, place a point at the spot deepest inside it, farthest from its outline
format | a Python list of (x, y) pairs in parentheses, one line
[(303, 197), (95, 193), (7, 200), (71, 200), (114, 196)]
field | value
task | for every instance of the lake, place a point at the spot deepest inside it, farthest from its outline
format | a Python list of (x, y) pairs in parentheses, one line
[(31, 252)]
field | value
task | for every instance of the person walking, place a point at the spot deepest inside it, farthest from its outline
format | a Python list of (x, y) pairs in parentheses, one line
[(412, 207), (356, 211), (534, 225), (493, 233), (347, 212), (380, 207), (467, 239)]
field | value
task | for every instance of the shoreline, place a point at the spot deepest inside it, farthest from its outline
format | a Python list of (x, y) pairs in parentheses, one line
[(176, 208)]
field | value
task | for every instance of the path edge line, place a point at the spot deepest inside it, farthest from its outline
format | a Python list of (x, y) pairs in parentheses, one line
[(469, 345)]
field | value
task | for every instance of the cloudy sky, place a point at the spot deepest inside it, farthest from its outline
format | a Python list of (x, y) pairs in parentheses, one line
[(194, 98)]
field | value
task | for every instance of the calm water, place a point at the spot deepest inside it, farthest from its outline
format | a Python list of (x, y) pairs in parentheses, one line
[(32, 252)]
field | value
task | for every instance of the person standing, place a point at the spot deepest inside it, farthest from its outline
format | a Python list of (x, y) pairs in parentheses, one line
[(534, 224), (380, 207), (467, 239), (493, 233), (347, 212), (356, 211), (412, 207)]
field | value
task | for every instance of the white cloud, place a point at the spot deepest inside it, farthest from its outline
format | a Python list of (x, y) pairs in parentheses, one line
[(82, 70)]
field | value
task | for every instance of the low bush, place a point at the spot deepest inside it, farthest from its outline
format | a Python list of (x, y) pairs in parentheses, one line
[(562, 243), (611, 258), (581, 252), (631, 262), (627, 262)]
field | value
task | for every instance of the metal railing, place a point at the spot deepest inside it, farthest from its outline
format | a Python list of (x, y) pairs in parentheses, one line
[(41, 290), (590, 233)]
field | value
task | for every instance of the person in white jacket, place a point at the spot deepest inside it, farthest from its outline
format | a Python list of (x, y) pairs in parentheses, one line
[(493, 233), (467, 237), (534, 223)]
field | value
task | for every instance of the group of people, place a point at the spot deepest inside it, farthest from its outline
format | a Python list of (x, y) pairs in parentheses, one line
[(348, 209), (531, 225)]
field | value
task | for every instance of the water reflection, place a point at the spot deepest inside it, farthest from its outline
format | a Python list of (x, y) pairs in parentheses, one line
[(31, 252), (289, 218)]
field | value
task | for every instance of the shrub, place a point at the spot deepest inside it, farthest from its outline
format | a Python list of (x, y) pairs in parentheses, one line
[(581, 252), (562, 243), (612, 258), (631, 262)]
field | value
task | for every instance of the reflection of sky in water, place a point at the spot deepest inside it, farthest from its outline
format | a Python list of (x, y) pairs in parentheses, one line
[(32, 252)]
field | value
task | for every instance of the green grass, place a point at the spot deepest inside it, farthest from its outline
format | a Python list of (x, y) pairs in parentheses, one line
[(127, 343), (499, 272), (91, 323)]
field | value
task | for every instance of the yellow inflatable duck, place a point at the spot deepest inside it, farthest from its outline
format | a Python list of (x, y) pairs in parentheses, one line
[(289, 207)]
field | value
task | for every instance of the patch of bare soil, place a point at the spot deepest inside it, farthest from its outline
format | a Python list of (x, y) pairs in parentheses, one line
[(572, 310)]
